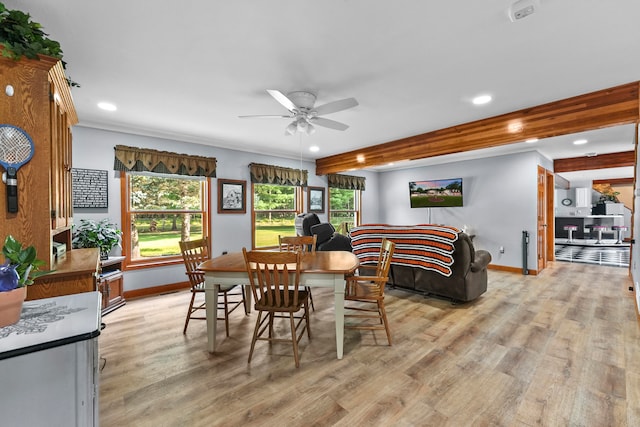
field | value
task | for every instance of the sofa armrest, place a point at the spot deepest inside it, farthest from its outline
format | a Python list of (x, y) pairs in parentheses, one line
[(482, 259)]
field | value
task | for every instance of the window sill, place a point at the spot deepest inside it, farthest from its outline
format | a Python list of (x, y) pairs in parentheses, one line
[(139, 265)]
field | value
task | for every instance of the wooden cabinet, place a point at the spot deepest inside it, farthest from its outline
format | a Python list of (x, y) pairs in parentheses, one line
[(40, 104), (76, 272), (111, 284)]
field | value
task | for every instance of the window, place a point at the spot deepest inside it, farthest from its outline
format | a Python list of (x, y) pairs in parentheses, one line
[(274, 211), (159, 211), (344, 207)]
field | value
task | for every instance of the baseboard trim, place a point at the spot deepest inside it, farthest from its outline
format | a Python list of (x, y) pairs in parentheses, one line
[(510, 269), (156, 290)]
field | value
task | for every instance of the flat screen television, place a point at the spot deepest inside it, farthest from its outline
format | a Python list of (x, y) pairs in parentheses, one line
[(436, 193)]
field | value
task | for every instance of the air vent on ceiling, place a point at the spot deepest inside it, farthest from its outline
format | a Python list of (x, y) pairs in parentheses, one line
[(523, 8)]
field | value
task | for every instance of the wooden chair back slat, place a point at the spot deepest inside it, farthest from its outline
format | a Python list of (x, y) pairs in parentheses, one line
[(194, 253), (298, 243), (384, 260), (274, 277)]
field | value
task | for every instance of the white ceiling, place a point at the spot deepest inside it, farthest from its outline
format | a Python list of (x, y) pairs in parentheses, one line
[(187, 70)]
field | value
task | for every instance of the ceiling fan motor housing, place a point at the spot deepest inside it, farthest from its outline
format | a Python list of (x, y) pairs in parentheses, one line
[(302, 99)]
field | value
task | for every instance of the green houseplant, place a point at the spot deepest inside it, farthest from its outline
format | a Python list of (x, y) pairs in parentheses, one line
[(20, 268), (97, 234), (20, 36)]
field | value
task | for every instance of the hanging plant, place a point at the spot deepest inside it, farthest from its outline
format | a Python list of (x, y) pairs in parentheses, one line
[(20, 36)]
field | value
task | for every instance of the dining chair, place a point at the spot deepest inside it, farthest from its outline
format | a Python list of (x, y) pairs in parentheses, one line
[(361, 292), (303, 244), (275, 282), (194, 253)]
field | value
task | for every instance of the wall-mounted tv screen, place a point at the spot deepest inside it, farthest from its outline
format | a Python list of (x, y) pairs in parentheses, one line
[(436, 193)]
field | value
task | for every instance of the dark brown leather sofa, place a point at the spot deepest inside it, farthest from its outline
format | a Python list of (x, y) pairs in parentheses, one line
[(466, 282)]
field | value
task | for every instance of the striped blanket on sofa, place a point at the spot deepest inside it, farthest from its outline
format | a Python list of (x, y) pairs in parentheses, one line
[(429, 247)]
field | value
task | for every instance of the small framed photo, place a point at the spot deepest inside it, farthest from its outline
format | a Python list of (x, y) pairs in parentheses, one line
[(315, 199), (232, 196)]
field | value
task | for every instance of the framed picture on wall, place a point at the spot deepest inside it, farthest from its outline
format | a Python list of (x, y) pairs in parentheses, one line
[(232, 196), (315, 199)]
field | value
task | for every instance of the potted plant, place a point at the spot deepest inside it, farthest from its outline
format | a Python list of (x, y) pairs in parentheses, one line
[(20, 268), (20, 36), (97, 234)]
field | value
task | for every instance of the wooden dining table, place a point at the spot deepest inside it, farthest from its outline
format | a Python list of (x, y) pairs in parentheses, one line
[(318, 269)]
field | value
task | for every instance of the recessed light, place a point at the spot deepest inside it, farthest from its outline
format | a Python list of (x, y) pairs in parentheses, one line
[(592, 154), (579, 141), (107, 106), (531, 140), (314, 148), (481, 99)]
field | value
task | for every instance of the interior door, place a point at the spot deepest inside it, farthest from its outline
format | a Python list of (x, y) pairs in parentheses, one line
[(542, 219), (550, 216)]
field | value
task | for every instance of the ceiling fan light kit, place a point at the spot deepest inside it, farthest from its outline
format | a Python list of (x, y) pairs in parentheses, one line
[(300, 106)]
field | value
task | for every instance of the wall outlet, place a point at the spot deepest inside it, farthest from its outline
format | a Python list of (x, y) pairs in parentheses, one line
[(501, 249)]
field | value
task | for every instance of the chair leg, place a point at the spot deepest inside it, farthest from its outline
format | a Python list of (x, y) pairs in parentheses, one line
[(244, 301), (255, 336), (270, 326), (294, 339), (306, 316), (311, 298), (186, 322), (383, 315), (226, 313)]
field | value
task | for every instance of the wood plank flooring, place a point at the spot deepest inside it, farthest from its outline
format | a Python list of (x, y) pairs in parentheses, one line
[(558, 349)]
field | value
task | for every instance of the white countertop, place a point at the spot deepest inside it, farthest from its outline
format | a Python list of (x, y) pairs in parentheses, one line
[(51, 322), (589, 216)]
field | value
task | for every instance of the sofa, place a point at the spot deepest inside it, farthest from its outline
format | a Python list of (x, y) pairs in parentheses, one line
[(308, 224), (429, 259)]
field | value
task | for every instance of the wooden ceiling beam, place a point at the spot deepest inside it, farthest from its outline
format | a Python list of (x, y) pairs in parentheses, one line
[(602, 161), (614, 181), (609, 107)]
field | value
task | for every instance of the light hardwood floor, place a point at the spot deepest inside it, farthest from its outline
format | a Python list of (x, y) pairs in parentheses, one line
[(559, 349)]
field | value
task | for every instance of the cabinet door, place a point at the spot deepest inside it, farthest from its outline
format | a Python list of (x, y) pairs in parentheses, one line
[(111, 287), (61, 197), (583, 197)]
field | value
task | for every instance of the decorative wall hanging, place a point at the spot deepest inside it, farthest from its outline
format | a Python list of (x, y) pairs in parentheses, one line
[(232, 196), (315, 199), (90, 188)]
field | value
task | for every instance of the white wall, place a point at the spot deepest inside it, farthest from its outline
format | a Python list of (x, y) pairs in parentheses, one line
[(499, 196), (94, 149)]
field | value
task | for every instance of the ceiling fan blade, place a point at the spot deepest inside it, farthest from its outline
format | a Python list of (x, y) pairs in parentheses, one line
[(335, 106), (332, 124), (282, 99), (263, 116)]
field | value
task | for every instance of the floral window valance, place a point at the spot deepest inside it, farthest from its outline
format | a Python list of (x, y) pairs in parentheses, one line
[(268, 174), (132, 159), (346, 182)]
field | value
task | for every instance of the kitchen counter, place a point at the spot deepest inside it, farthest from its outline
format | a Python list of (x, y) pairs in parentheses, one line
[(583, 223), (590, 216), (49, 362)]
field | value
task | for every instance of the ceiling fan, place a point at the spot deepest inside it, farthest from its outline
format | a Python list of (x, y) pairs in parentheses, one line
[(304, 114)]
